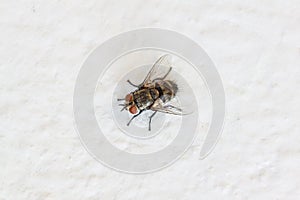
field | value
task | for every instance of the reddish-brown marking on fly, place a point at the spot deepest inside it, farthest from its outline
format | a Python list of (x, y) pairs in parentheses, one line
[(128, 98), (133, 110)]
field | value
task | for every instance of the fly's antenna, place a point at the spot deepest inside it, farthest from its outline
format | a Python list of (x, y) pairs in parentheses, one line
[(122, 104)]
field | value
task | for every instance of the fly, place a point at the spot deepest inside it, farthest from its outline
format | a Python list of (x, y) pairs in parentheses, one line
[(153, 93)]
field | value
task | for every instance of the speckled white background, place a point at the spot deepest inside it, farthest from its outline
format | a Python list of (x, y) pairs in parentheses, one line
[(255, 46)]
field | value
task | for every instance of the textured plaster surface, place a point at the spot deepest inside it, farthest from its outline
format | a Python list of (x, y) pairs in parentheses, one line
[(255, 46)]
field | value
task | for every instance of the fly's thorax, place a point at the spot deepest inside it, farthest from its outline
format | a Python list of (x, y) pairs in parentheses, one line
[(143, 98)]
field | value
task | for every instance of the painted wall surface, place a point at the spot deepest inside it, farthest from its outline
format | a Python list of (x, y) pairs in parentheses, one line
[(255, 46)]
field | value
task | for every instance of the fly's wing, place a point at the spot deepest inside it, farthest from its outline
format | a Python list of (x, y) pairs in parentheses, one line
[(159, 70), (169, 108)]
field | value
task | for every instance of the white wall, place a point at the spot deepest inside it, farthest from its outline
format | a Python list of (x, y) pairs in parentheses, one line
[(255, 46)]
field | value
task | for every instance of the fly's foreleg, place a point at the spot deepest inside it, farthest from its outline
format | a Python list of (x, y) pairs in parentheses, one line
[(150, 120), (133, 118)]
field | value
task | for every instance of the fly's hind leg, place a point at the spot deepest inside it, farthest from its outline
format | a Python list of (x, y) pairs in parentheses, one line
[(150, 120), (134, 85)]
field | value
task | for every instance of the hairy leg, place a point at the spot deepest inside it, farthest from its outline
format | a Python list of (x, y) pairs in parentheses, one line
[(162, 78), (150, 120), (133, 118), (134, 85)]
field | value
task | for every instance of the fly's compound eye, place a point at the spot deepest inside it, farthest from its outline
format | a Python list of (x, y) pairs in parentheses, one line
[(133, 110), (128, 98)]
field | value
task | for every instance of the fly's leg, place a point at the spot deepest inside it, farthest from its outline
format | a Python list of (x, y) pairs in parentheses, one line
[(133, 118), (123, 108), (162, 78), (167, 73), (150, 119), (134, 85)]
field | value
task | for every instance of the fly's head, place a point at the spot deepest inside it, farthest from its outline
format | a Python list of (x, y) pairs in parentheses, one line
[(129, 104)]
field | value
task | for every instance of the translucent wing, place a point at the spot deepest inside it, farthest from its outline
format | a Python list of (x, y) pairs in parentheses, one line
[(167, 108), (159, 71)]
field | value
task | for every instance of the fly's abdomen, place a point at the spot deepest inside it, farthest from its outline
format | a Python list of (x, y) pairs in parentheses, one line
[(173, 87), (167, 90)]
